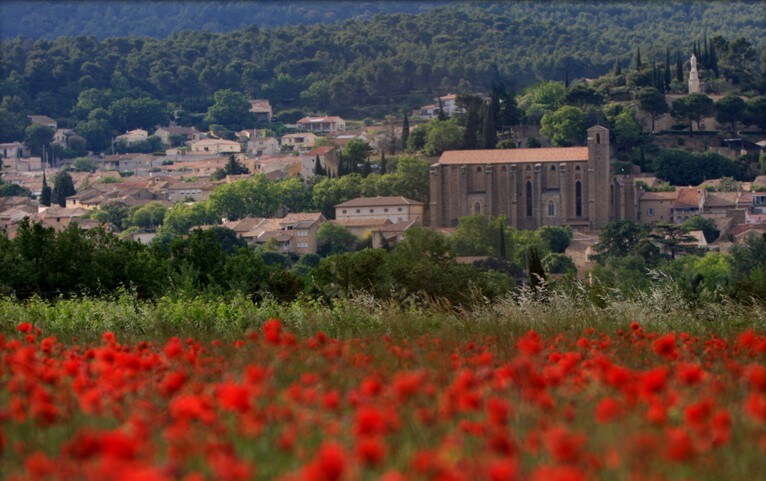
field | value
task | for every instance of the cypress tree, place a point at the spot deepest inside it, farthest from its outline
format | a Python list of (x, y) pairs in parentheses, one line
[(679, 68), (63, 187), (501, 243), (405, 131), (638, 58), (318, 169), (566, 77), (667, 69), (535, 268), (471, 125), (366, 168), (45, 195), (383, 163), (705, 57), (617, 68), (488, 133), (713, 59)]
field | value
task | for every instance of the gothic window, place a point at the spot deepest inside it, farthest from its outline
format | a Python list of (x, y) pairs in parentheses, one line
[(477, 208), (551, 209), (528, 168), (529, 199), (577, 167), (578, 198), (598, 138), (553, 168)]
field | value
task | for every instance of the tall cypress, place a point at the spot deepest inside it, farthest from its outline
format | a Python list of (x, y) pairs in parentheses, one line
[(501, 243), (318, 169), (679, 68), (667, 69), (488, 133), (638, 58), (617, 68), (713, 59), (383, 163), (45, 195), (705, 57), (405, 131)]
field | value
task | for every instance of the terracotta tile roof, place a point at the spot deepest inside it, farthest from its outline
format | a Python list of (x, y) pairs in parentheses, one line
[(399, 226), (508, 156), (659, 195), (323, 150), (722, 199), (363, 222), (316, 120), (688, 197), (378, 201), (301, 217)]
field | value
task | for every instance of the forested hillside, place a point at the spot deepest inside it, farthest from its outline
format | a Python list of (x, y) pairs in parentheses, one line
[(109, 18), (395, 60)]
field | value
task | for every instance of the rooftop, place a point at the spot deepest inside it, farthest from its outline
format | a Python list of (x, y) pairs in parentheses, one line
[(378, 201), (509, 156)]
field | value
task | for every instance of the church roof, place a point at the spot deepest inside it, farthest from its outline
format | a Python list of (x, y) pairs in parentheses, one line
[(509, 156)]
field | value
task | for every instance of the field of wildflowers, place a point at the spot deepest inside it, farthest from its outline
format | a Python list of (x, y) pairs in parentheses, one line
[(278, 403)]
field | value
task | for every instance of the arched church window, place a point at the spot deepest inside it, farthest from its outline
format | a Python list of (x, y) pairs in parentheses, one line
[(577, 167), (477, 208), (529, 199), (598, 138), (553, 168), (551, 209), (578, 198)]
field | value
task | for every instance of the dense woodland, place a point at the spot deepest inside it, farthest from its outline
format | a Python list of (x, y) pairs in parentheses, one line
[(363, 67)]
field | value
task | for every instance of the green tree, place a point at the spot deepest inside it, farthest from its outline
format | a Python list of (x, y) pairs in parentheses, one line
[(144, 112), (443, 135), (335, 239), (557, 238), (63, 187), (180, 217), (673, 239), (756, 112), (115, 213), (627, 130), (83, 164), (693, 108), (540, 99), (97, 134), (554, 263), (652, 101), (487, 130), (405, 131), (46, 193), (705, 224), (356, 153), (231, 109), (478, 235), (37, 137), (565, 127), (148, 216), (731, 109), (619, 239)]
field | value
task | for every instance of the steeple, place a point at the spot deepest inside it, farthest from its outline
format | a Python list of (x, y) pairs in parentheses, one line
[(694, 80)]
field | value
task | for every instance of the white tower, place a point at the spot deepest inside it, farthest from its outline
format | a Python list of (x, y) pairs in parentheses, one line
[(694, 79)]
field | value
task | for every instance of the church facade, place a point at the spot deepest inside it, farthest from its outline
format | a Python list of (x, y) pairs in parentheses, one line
[(532, 188)]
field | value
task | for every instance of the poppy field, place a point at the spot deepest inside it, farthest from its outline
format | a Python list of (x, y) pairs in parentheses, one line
[(274, 405)]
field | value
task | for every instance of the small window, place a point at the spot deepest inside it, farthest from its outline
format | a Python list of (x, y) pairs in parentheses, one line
[(399, 209), (503, 168), (372, 210), (551, 209), (358, 211), (477, 208), (577, 167), (385, 209), (344, 211), (478, 169), (650, 211), (553, 168)]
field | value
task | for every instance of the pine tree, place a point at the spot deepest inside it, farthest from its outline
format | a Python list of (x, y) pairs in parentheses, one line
[(45, 194), (667, 69), (638, 58), (383, 163), (405, 131), (318, 169)]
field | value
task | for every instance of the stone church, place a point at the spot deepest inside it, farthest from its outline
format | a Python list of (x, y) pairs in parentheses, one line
[(532, 188)]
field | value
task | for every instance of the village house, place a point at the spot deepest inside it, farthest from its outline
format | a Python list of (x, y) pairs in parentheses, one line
[(322, 124), (301, 143), (63, 137), (328, 159), (277, 166), (363, 228), (293, 234), (133, 137), (263, 146), (656, 206), (44, 120), (261, 108), (172, 132), (14, 150), (396, 209), (447, 103), (215, 146), (389, 235), (18, 164)]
